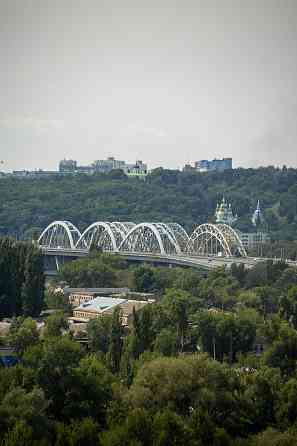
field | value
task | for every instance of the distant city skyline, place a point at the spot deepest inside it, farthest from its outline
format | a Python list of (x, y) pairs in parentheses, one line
[(187, 163), (164, 81)]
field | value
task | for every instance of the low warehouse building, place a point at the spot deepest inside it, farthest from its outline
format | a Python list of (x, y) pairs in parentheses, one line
[(78, 296), (102, 306)]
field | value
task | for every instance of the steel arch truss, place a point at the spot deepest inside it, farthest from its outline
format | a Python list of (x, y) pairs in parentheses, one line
[(179, 234), (155, 238), (158, 238), (233, 240), (59, 234), (210, 239), (104, 235)]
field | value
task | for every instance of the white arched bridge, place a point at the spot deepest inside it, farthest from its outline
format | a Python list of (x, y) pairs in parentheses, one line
[(150, 238), (209, 244)]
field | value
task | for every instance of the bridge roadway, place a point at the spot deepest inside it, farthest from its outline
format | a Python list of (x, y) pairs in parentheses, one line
[(194, 261)]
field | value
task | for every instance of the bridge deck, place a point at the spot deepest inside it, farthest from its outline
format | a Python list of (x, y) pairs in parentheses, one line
[(194, 261)]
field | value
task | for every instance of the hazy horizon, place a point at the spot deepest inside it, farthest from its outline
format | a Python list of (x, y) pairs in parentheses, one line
[(168, 82)]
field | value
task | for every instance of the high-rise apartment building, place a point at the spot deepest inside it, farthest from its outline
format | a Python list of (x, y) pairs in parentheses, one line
[(216, 164), (105, 166), (137, 169), (67, 165)]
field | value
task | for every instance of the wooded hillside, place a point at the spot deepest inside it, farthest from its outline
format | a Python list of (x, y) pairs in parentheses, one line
[(188, 198)]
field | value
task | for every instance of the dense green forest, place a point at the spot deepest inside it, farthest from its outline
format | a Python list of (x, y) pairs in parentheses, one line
[(213, 362), (188, 198), (21, 279)]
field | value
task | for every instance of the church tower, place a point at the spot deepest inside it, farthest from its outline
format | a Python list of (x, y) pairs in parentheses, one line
[(258, 218)]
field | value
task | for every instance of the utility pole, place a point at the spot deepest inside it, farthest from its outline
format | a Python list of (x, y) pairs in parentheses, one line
[(214, 347), (231, 348)]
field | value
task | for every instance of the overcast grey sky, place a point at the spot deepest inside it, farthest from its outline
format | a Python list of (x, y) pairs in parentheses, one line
[(165, 81)]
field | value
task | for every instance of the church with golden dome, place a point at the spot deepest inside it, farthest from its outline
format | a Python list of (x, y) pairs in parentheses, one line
[(224, 213)]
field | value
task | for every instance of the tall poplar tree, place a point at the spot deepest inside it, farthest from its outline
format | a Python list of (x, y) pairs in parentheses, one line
[(7, 277), (32, 289), (115, 341)]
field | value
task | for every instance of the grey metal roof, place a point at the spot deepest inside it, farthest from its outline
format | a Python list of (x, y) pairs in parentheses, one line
[(101, 304)]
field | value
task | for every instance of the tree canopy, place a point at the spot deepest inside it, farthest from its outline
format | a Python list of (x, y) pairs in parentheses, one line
[(211, 362), (189, 198)]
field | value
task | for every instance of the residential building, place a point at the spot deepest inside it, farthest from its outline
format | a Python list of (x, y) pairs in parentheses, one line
[(67, 165), (214, 165), (139, 169), (188, 168), (71, 167), (253, 239), (106, 166)]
